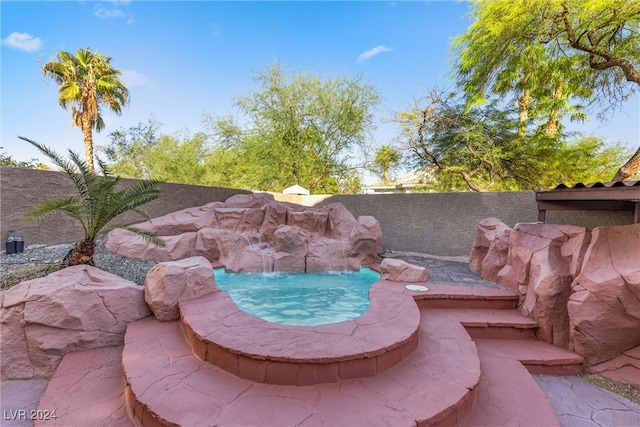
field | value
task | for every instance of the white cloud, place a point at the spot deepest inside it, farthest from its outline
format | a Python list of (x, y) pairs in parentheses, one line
[(113, 11), (132, 78), (373, 52), (22, 41)]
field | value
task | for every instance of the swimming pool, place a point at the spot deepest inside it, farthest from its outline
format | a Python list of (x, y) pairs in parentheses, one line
[(300, 299)]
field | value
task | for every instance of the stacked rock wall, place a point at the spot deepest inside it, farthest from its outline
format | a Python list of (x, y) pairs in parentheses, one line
[(581, 286), (254, 233)]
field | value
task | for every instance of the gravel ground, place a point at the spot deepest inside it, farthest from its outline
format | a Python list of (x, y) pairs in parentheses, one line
[(628, 391), (40, 260)]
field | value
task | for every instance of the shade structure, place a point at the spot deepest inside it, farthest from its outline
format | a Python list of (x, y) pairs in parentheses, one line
[(296, 189)]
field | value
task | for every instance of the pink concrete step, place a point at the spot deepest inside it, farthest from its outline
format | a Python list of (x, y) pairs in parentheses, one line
[(453, 296), (508, 395), (536, 356), (251, 348), (492, 324), (168, 385), (86, 390)]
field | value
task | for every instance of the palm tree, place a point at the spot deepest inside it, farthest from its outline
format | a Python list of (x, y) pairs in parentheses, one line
[(387, 158), (88, 81), (98, 202)]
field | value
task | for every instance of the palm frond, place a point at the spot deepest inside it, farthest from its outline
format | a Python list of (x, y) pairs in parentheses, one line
[(69, 205), (104, 167), (99, 201), (71, 168), (62, 163), (133, 197)]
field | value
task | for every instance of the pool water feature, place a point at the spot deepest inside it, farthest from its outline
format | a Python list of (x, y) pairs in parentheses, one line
[(300, 299)]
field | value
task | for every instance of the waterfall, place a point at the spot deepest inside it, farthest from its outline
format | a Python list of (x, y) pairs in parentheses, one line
[(344, 255)]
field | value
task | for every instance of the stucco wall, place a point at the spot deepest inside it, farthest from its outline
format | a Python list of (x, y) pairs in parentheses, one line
[(21, 189), (434, 223), (438, 223), (445, 224)]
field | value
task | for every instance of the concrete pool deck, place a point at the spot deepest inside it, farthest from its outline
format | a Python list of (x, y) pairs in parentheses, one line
[(499, 390)]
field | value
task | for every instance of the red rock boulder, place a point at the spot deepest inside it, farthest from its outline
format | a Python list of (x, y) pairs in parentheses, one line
[(129, 244), (397, 270), (340, 221), (324, 254), (77, 308), (490, 249), (290, 244), (314, 221), (229, 245), (168, 283), (542, 262), (257, 200), (257, 258), (604, 307), (186, 220), (363, 242)]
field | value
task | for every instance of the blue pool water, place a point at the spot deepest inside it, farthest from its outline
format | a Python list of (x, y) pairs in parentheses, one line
[(300, 299)]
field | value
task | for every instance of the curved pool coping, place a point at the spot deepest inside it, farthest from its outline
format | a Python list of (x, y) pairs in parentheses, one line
[(222, 334)]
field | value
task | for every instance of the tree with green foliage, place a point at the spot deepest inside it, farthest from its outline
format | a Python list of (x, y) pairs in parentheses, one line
[(142, 152), (552, 55), (476, 148), (483, 148), (302, 130), (88, 81), (387, 158), (98, 202), (9, 161), (582, 159), (128, 149)]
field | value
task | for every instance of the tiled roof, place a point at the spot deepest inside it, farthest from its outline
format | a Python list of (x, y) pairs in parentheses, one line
[(621, 196), (600, 185)]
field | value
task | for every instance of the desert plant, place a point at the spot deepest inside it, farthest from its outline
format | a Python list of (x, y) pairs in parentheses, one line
[(87, 80), (98, 202)]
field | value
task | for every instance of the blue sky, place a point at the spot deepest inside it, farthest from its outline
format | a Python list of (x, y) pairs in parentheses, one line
[(182, 60)]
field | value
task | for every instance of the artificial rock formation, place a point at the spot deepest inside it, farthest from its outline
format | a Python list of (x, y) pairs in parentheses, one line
[(77, 308), (254, 233), (604, 307), (582, 287), (397, 270), (168, 283), (542, 262), (490, 249)]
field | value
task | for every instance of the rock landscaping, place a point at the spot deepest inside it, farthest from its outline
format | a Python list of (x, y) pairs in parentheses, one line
[(581, 286), (254, 233)]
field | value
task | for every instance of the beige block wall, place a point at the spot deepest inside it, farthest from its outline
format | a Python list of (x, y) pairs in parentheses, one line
[(433, 223), (445, 224), (21, 189)]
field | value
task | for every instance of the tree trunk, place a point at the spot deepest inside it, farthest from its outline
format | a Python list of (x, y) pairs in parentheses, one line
[(551, 127), (630, 169), (523, 105), (82, 253), (88, 143)]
